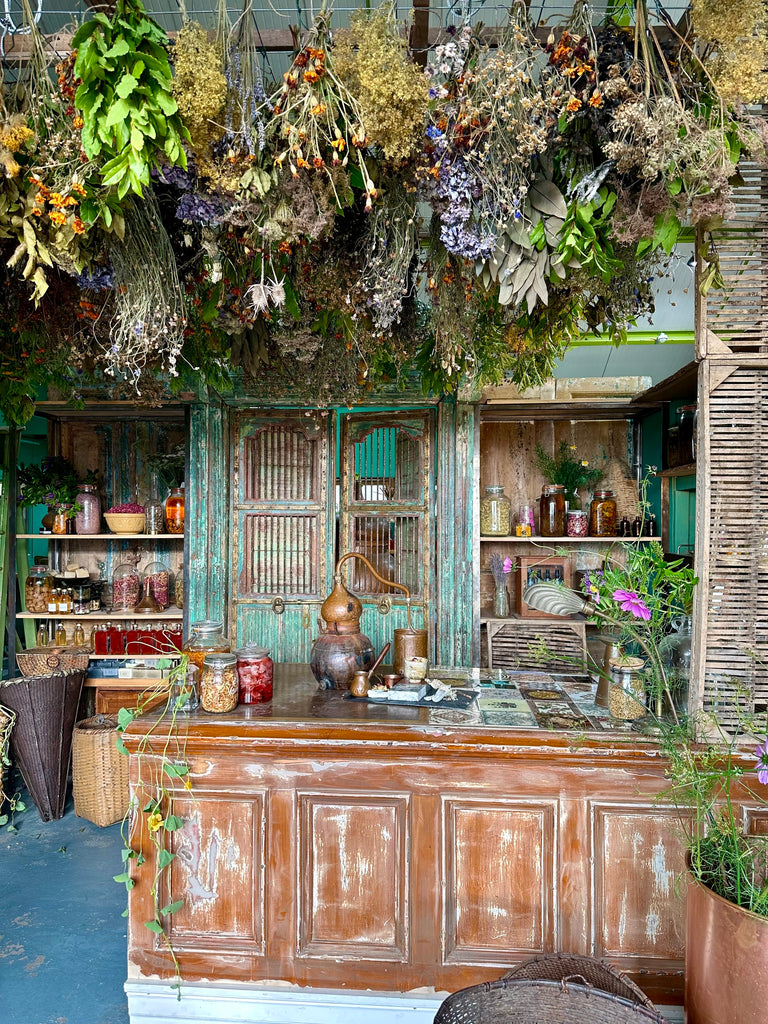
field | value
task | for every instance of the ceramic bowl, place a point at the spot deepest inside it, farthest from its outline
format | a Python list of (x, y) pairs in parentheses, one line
[(125, 522), (415, 669)]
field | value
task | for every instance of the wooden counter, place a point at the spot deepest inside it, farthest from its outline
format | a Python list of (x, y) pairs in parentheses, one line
[(345, 845)]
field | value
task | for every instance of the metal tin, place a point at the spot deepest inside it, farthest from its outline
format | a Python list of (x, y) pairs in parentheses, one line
[(409, 643)]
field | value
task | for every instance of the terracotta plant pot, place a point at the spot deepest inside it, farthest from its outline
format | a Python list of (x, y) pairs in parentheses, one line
[(726, 961)]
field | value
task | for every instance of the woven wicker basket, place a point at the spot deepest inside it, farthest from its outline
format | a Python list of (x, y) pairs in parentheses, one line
[(99, 771), (584, 970), (40, 661)]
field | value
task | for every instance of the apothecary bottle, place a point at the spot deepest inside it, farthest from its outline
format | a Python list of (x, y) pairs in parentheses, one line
[(174, 511), (218, 683), (254, 674), (126, 588), (157, 582), (552, 511), (154, 513), (207, 638), (38, 589), (495, 513), (577, 524), (602, 515), (88, 519)]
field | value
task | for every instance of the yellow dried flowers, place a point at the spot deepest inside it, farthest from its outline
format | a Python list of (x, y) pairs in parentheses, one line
[(14, 135), (737, 34), (200, 89), (371, 59)]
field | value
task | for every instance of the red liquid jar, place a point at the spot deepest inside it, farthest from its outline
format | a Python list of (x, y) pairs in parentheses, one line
[(254, 675)]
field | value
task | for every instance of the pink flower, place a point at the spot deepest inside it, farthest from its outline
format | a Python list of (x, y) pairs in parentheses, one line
[(762, 762), (507, 567), (630, 602)]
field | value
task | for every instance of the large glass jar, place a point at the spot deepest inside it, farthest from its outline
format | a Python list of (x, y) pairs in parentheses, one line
[(552, 511), (602, 515), (675, 651), (254, 674), (88, 519), (687, 435), (126, 588), (218, 683), (178, 587), (157, 580), (626, 696), (174, 511), (207, 638), (38, 589), (495, 513), (154, 513)]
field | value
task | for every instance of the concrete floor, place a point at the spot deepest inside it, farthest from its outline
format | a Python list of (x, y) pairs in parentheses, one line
[(62, 939)]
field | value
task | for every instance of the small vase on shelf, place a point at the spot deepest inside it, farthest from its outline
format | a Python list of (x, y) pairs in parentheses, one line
[(501, 601)]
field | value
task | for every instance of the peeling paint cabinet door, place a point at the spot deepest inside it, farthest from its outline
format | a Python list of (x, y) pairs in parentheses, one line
[(282, 557)]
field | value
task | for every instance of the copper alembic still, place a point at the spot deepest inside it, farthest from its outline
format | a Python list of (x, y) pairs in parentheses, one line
[(341, 649)]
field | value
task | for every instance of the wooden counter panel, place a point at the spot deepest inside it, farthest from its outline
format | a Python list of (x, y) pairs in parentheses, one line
[(353, 866), (499, 863)]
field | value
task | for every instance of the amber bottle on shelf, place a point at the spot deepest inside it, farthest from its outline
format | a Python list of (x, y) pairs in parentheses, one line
[(174, 511)]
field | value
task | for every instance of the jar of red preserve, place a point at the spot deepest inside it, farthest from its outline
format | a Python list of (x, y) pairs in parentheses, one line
[(254, 674)]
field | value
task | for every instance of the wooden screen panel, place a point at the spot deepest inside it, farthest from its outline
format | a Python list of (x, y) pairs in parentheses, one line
[(218, 872), (499, 869), (279, 554), (393, 544), (353, 871), (733, 557), (279, 463), (738, 312), (638, 905)]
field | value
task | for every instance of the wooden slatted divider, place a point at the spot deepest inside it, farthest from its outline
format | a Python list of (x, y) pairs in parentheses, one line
[(731, 612)]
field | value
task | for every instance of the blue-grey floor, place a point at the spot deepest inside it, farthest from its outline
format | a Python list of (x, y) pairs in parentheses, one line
[(62, 939)]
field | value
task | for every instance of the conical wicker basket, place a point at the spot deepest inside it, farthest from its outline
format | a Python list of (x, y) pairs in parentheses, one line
[(99, 771), (39, 661)]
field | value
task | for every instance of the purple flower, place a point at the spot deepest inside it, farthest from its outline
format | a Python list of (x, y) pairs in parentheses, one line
[(762, 762), (630, 602), (591, 590)]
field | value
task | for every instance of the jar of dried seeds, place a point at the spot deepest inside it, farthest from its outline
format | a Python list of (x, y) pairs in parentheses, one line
[(218, 683)]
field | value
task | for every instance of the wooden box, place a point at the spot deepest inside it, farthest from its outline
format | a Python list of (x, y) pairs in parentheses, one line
[(535, 569)]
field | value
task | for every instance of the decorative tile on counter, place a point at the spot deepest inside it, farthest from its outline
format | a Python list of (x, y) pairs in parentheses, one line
[(509, 720)]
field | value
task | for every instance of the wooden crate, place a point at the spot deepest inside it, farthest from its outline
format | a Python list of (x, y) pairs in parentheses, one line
[(531, 566), (530, 644)]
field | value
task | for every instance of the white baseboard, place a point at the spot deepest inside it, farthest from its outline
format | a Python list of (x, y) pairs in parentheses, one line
[(213, 1003)]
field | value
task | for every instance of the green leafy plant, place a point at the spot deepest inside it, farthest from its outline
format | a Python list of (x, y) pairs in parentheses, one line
[(585, 239), (150, 817), (131, 120), (566, 469), (54, 482)]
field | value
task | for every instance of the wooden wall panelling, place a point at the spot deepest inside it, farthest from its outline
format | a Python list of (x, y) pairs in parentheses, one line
[(457, 567), (207, 513)]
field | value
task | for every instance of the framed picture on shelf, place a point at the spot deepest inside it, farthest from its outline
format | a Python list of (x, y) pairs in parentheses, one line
[(537, 569)]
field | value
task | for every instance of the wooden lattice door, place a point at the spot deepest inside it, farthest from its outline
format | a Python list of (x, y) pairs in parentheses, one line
[(282, 558), (387, 502)]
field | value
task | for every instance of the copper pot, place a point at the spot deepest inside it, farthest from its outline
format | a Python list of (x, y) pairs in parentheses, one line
[(337, 656), (409, 643)]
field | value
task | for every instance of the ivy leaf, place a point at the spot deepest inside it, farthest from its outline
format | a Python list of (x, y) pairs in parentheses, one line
[(175, 771), (154, 927), (165, 857), (172, 908), (124, 718), (173, 822)]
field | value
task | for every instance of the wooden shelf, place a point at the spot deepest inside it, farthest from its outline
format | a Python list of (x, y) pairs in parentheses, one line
[(166, 616), (142, 657), (99, 536), (567, 540), (688, 470), (488, 616)]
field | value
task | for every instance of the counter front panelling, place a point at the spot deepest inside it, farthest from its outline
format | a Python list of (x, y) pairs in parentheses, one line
[(344, 845)]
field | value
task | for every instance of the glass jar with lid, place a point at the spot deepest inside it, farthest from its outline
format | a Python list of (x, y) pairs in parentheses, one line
[(577, 524), (154, 512), (174, 511), (126, 588), (157, 580), (552, 511), (495, 513), (184, 689), (178, 587), (38, 589), (254, 674), (88, 519), (207, 638), (218, 683), (602, 515)]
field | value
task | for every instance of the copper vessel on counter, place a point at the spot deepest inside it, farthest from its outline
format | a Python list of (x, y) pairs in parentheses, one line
[(341, 649), (409, 643)]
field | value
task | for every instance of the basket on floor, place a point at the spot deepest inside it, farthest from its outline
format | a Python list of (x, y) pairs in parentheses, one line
[(99, 771), (40, 661), (584, 970), (541, 1001)]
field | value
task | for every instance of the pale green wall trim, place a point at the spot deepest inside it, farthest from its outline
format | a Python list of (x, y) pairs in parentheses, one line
[(642, 338)]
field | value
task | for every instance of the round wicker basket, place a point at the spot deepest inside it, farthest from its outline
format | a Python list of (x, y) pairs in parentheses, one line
[(125, 522), (37, 661)]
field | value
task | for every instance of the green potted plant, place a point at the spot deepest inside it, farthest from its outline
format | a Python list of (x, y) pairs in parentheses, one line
[(565, 468), (53, 483)]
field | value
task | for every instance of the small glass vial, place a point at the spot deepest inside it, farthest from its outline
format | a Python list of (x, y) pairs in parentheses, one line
[(254, 673), (207, 638), (526, 521), (126, 588), (602, 515), (60, 636), (78, 638), (42, 635), (218, 683), (65, 601), (174, 511), (154, 512), (53, 601), (552, 511), (495, 513)]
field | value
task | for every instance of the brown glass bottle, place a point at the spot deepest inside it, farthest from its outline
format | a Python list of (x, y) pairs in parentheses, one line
[(552, 511)]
